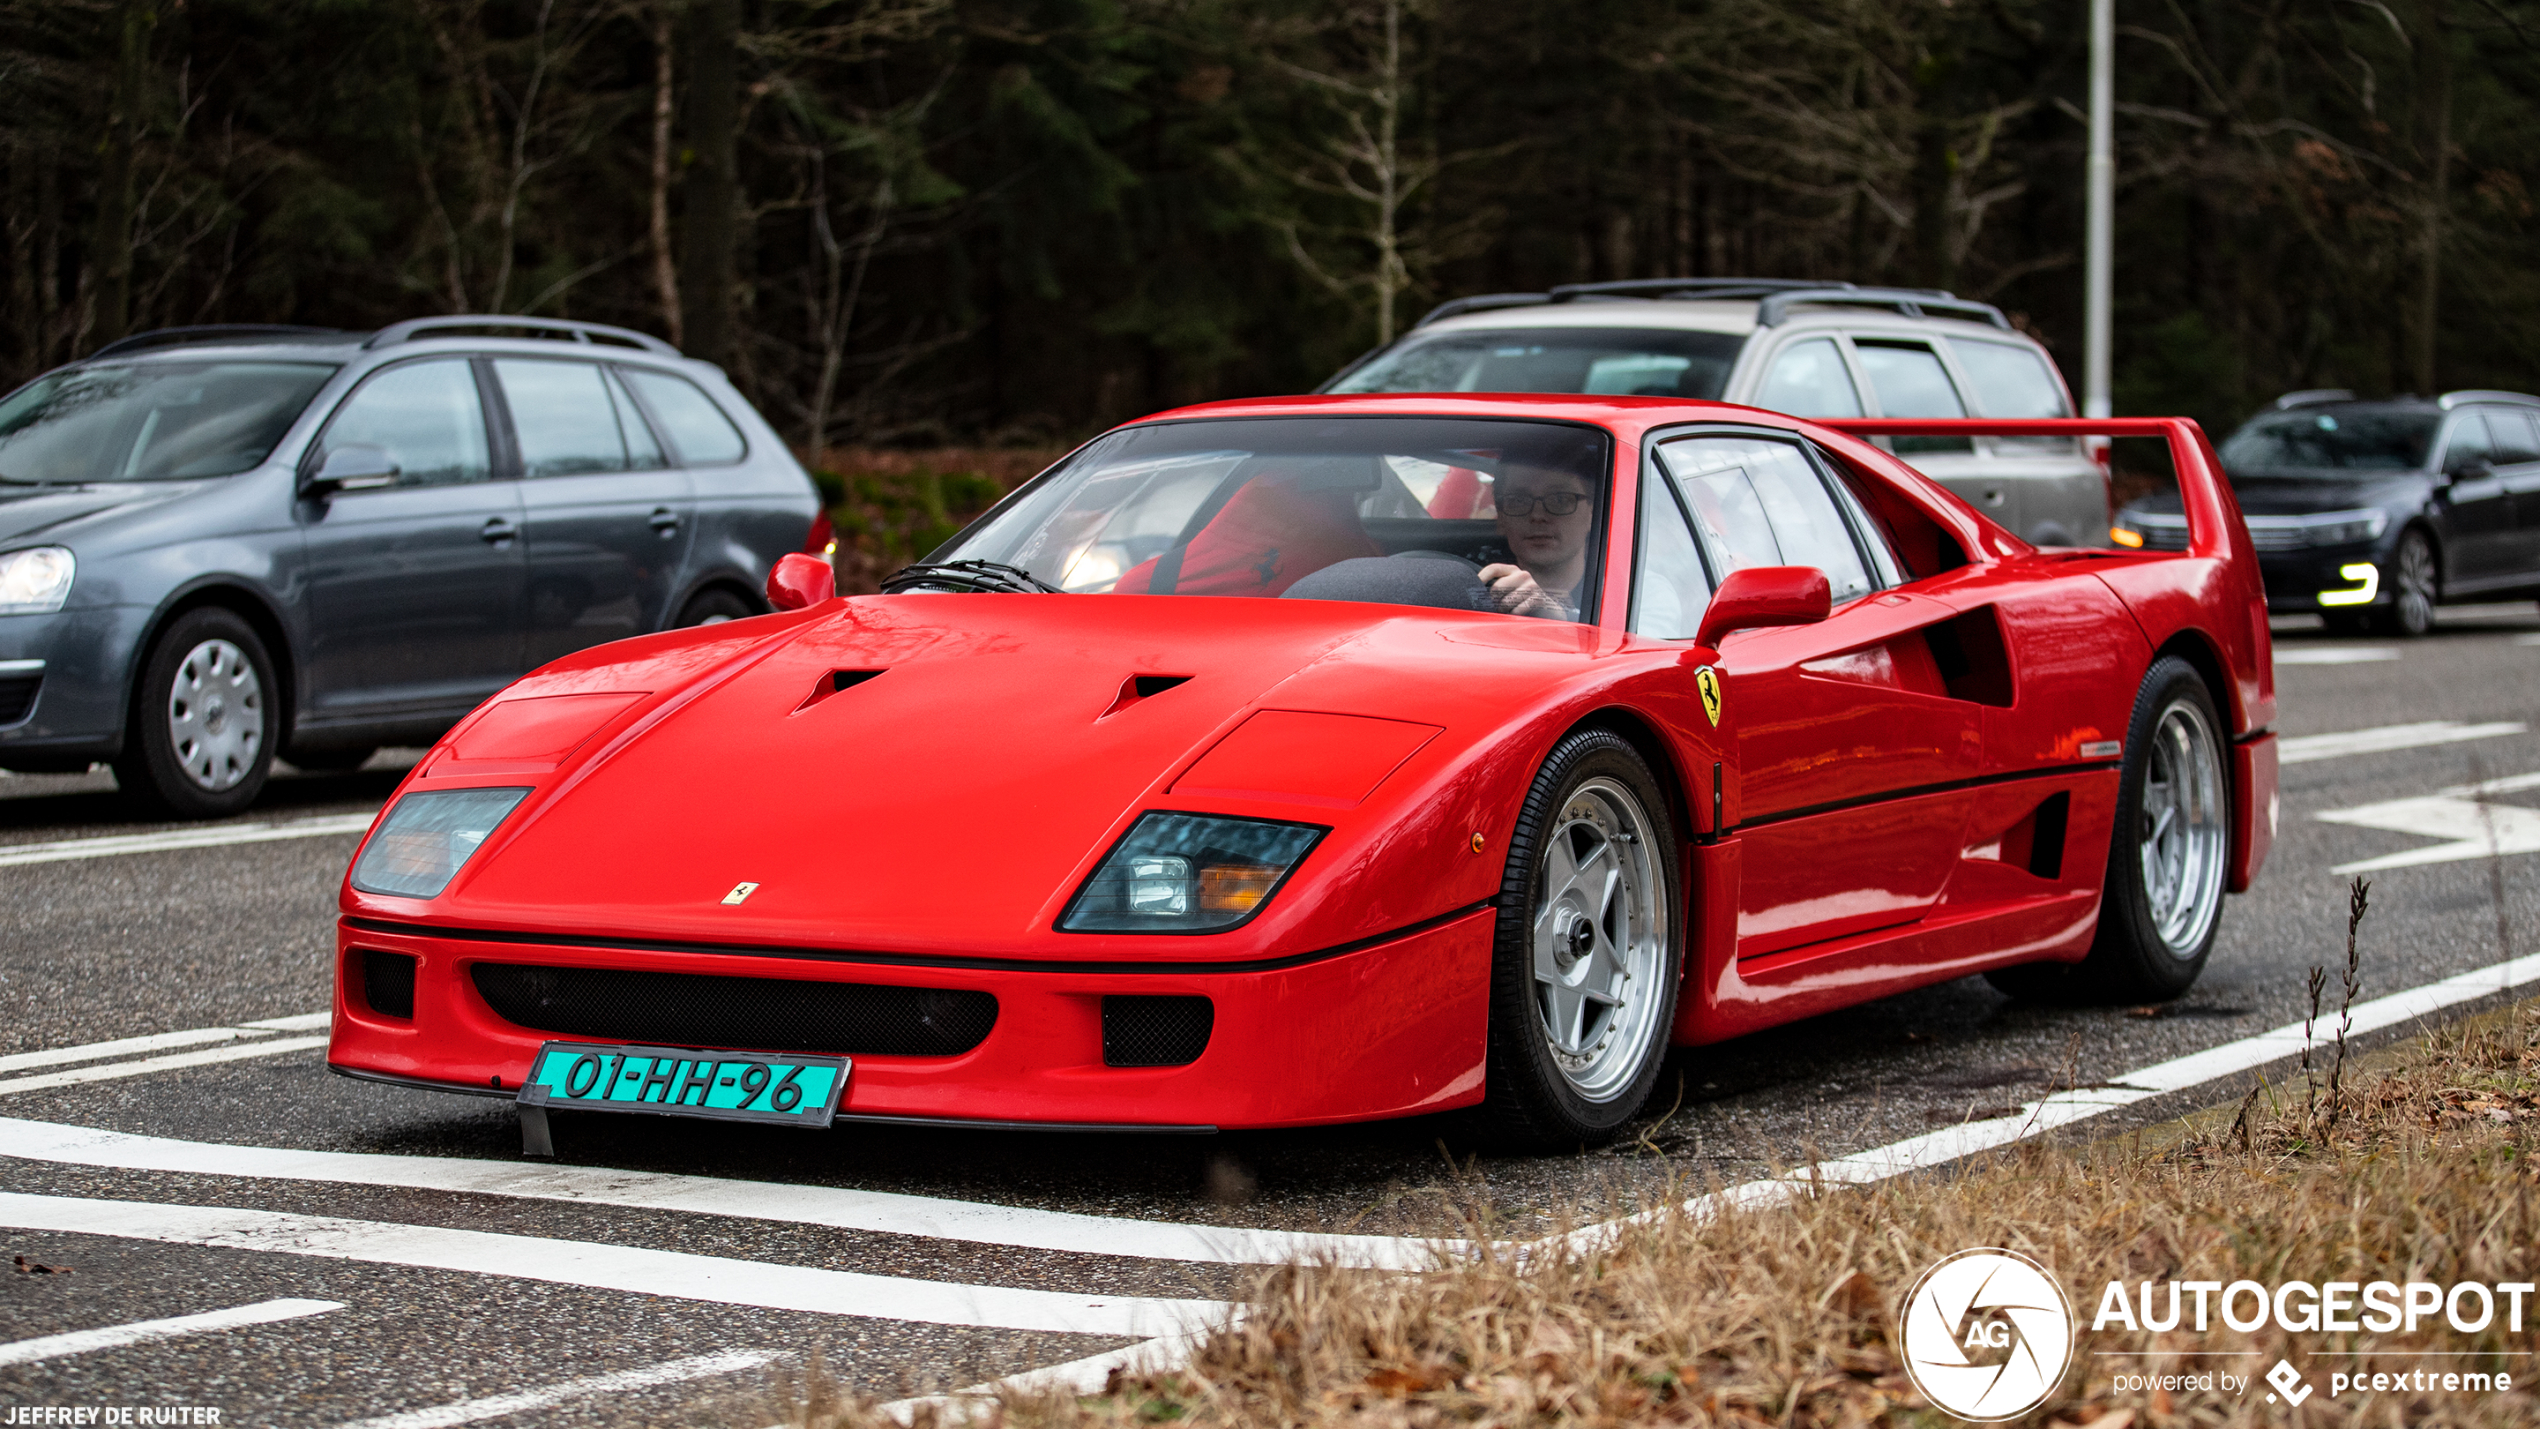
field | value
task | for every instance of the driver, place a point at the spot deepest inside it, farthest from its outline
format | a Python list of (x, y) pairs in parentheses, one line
[(1544, 515)]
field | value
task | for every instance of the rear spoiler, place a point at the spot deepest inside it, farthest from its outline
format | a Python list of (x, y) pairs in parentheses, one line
[(2214, 528)]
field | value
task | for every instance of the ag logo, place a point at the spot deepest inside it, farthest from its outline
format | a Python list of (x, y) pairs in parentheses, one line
[(1987, 1334), (1706, 681)]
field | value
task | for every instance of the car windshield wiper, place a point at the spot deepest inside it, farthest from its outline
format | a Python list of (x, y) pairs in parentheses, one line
[(993, 576), (7, 479)]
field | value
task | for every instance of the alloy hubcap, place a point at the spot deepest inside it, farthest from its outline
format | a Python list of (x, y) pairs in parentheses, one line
[(2184, 834), (216, 718), (2416, 583), (1600, 941)]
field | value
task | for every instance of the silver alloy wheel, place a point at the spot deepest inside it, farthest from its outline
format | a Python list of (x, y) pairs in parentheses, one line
[(1599, 941), (2185, 833), (216, 715), (2412, 600)]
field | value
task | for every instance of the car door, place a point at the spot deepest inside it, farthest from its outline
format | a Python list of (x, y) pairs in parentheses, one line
[(1809, 378), (415, 589), (2477, 505), (1849, 747), (2053, 493), (607, 513), (2517, 437), (1907, 378)]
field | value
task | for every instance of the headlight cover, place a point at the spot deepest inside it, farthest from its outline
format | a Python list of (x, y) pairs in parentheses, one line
[(1188, 873), (36, 580), (427, 838), (2345, 528)]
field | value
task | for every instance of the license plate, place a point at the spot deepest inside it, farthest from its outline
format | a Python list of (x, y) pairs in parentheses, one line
[(675, 1081)]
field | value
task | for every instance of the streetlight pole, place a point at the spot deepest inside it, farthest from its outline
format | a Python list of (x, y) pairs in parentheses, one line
[(2099, 242)]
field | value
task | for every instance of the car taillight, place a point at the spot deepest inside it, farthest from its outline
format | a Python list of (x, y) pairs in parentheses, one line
[(823, 540)]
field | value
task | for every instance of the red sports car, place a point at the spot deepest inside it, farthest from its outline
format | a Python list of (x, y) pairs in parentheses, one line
[(1522, 738)]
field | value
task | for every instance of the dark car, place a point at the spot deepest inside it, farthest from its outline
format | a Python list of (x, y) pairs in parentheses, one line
[(2370, 514), (217, 545)]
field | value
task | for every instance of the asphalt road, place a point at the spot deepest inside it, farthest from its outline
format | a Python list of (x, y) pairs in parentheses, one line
[(603, 1292)]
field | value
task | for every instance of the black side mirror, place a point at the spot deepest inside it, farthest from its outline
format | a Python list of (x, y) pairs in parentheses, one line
[(2477, 468), (355, 466)]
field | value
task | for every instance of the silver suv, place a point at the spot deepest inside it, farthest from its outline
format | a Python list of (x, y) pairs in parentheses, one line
[(1806, 348)]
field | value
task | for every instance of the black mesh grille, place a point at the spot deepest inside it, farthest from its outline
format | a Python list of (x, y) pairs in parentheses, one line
[(1155, 1031), (388, 983), (762, 1013), (17, 696)]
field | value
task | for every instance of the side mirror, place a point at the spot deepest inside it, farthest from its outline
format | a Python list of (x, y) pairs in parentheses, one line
[(355, 466), (799, 582), (2477, 468), (1764, 595)]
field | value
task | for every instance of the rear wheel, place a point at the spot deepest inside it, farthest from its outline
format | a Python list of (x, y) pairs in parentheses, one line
[(2167, 861), (1584, 969), (713, 607), (204, 722)]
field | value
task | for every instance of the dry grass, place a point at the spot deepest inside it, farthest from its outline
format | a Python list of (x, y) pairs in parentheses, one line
[(1784, 1316)]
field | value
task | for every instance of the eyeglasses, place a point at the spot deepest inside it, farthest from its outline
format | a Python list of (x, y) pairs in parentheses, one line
[(1557, 503)]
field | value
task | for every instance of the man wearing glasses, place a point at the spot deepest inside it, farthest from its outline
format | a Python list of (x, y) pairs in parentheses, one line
[(1544, 517)]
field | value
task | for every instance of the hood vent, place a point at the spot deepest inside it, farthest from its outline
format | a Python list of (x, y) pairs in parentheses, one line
[(1139, 687), (832, 683)]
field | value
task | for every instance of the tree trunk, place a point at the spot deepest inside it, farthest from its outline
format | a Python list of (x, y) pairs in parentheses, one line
[(2434, 121), (665, 264), (1932, 162), (26, 324), (111, 245), (713, 197)]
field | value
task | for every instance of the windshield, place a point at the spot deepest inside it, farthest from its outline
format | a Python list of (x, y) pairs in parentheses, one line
[(1455, 513), (2328, 443), (1625, 362), (158, 421)]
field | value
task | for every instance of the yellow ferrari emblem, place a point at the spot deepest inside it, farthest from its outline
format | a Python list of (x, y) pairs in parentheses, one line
[(1707, 681)]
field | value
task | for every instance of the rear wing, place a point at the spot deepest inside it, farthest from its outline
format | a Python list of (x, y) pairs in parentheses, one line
[(2214, 527)]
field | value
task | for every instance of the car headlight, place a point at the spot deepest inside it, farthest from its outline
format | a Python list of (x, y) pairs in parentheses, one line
[(1188, 873), (427, 838), (35, 580), (2345, 528)]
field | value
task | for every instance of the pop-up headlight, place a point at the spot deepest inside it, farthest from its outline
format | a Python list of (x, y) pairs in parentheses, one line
[(1188, 873), (425, 840)]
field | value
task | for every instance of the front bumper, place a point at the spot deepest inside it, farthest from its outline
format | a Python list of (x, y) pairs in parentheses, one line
[(2296, 579), (1393, 1029), (78, 708)]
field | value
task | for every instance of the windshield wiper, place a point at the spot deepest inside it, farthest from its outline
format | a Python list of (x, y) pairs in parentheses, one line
[(36, 481), (995, 577)]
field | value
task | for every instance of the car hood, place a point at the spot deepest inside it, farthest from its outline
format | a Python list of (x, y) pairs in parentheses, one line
[(954, 800), (2261, 495), (32, 514)]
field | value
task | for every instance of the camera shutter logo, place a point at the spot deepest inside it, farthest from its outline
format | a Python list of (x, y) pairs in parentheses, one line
[(1987, 1334)]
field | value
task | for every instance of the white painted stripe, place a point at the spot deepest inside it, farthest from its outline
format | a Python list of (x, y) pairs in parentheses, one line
[(2527, 640), (121, 1047), (210, 836), (298, 1022), (887, 1212), (2332, 654), (629, 1269), (2304, 748), (174, 1061), (1084, 1376), (470, 1411), (80, 1342)]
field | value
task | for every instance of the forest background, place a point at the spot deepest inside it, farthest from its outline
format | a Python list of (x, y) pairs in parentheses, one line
[(920, 224)]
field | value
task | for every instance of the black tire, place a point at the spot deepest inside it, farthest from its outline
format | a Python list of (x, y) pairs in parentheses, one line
[(713, 607), (1591, 785), (2415, 586), (2155, 932), (204, 721)]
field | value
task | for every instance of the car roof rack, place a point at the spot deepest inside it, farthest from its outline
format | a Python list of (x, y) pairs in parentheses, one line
[(216, 332), (2312, 397), (414, 329), (2449, 400), (1777, 295), (1912, 302)]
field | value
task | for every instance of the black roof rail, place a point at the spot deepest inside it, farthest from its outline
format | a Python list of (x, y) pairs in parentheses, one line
[(2312, 397), (2475, 394), (1480, 302), (414, 328), (1912, 302), (1695, 288), (214, 332)]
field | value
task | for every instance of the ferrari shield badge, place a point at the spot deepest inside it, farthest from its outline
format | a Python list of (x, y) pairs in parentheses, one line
[(741, 891), (1707, 681)]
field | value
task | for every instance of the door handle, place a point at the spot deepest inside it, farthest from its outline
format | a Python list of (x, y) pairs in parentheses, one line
[(665, 521), (497, 531)]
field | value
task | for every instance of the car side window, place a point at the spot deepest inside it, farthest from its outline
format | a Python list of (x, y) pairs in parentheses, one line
[(643, 450), (1911, 382), (2469, 442), (426, 415), (2514, 438), (562, 415), (2010, 382), (694, 424), (1671, 588), (1758, 502), (1809, 379)]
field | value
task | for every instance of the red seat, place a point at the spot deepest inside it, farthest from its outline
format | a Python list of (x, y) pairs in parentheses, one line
[(1268, 537)]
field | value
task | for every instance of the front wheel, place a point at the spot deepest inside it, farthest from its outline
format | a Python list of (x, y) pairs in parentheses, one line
[(203, 719), (2414, 587), (713, 607), (1584, 968)]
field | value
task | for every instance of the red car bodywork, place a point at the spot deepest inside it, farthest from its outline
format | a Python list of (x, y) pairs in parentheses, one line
[(1850, 828)]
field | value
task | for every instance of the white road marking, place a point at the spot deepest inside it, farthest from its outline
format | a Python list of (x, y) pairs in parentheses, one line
[(2527, 640), (2304, 748), (2471, 827), (632, 1270), (470, 1411), (1084, 1376), (211, 836), (297, 1022), (2333, 654), (161, 1041), (172, 1062), (887, 1212), (80, 1342)]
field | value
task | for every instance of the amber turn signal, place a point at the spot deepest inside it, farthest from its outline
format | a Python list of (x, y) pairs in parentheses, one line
[(1235, 887)]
